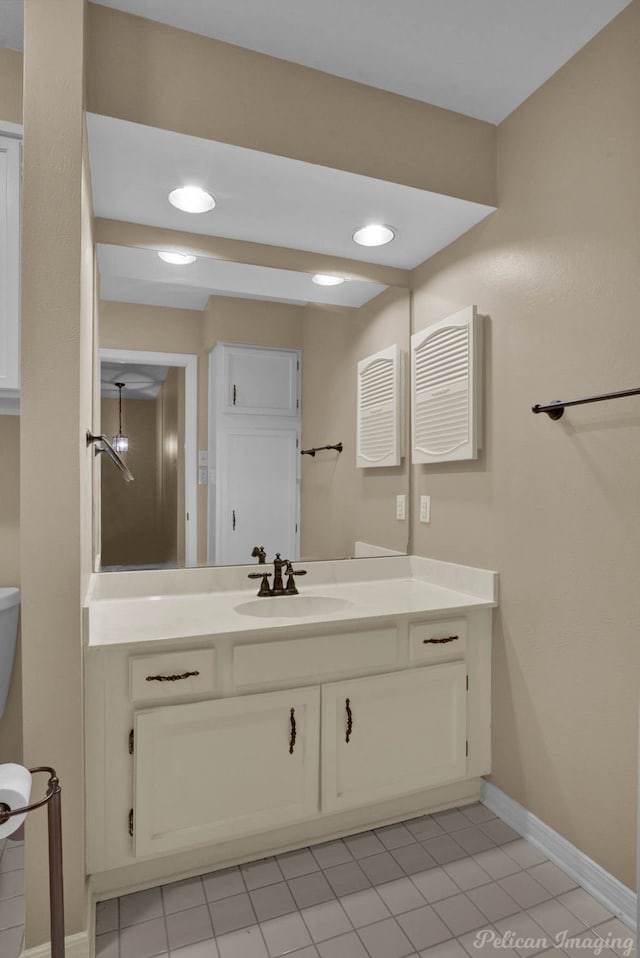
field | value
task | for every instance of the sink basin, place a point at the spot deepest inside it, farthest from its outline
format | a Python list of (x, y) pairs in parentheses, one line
[(292, 606)]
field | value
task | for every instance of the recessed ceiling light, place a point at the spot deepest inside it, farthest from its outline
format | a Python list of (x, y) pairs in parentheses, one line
[(375, 234), (176, 259), (322, 279), (192, 199)]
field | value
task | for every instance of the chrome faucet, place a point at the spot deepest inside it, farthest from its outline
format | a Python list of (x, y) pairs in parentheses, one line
[(278, 587)]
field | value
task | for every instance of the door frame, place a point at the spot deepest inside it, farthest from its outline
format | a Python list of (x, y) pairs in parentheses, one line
[(188, 362)]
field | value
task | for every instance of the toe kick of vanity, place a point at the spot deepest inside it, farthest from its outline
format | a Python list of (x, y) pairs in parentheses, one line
[(202, 751)]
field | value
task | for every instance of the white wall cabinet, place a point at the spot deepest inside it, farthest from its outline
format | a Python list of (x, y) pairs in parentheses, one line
[(10, 151), (258, 381), (209, 771), (392, 734), (446, 389), (379, 409)]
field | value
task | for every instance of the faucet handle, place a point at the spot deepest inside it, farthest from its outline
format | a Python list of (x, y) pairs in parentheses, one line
[(264, 585), (290, 572)]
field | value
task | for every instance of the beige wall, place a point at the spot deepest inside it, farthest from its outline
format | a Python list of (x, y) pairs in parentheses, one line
[(554, 507), (130, 534), (10, 85), (56, 410), (151, 73), (341, 503), (11, 722)]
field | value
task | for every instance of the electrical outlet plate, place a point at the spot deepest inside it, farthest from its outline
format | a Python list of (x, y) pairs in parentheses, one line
[(400, 507), (425, 508)]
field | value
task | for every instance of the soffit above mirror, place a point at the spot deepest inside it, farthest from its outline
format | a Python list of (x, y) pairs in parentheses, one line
[(133, 275), (266, 199), (479, 59)]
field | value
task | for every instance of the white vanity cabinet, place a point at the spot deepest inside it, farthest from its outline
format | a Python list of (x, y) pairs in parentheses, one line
[(204, 751), (209, 771), (392, 734)]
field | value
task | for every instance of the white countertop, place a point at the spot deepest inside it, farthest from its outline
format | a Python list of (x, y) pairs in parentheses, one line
[(410, 586)]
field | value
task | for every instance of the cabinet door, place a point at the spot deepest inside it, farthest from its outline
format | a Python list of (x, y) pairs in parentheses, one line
[(210, 771), (393, 734), (259, 381), (9, 263)]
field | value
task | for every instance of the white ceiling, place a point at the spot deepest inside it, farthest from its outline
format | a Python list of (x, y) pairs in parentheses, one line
[(135, 275), (263, 198), (141, 381), (479, 57)]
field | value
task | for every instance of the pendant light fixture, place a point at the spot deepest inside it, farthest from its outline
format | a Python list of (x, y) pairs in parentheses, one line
[(120, 442)]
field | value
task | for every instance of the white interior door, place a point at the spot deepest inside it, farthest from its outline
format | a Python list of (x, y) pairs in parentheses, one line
[(258, 497)]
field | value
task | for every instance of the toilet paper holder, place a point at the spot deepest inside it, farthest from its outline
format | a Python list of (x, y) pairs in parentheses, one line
[(54, 815)]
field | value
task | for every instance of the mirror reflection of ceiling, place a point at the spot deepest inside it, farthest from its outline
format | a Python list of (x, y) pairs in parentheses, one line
[(263, 198), (132, 275), (141, 381), (478, 57)]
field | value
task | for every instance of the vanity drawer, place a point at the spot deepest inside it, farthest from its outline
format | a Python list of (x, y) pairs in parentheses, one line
[(314, 658), (170, 675), (437, 641)]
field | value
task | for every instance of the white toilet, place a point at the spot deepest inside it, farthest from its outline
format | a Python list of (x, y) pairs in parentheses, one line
[(9, 609)]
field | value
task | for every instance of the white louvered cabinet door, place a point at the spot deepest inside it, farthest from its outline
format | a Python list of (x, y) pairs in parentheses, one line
[(379, 427), (446, 389)]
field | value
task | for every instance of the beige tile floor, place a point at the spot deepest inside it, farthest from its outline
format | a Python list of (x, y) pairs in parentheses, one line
[(443, 886)]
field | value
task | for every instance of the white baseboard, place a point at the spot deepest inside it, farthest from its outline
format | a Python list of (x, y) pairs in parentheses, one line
[(75, 946), (604, 887)]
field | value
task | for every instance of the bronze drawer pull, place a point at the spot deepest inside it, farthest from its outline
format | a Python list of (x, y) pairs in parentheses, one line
[(292, 740), (448, 638), (170, 678), (349, 720)]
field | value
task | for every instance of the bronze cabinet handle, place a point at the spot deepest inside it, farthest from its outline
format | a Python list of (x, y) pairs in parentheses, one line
[(235, 394), (292, 723), (447, 638), (171, 678), (233, 521), (347, 706)]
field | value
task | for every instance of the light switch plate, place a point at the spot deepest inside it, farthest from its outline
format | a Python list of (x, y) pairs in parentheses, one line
[(203, 477), (425, 508), (203, 457), (400, 507)]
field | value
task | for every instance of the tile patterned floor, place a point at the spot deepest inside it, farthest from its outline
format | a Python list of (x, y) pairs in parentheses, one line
[(422, 889), (11, 898)]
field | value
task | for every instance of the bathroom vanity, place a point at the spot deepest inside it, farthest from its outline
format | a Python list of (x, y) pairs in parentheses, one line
[(222, 727)]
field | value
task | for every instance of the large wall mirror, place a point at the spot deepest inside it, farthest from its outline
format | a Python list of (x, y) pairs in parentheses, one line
[(280, 353), (249, 372)]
